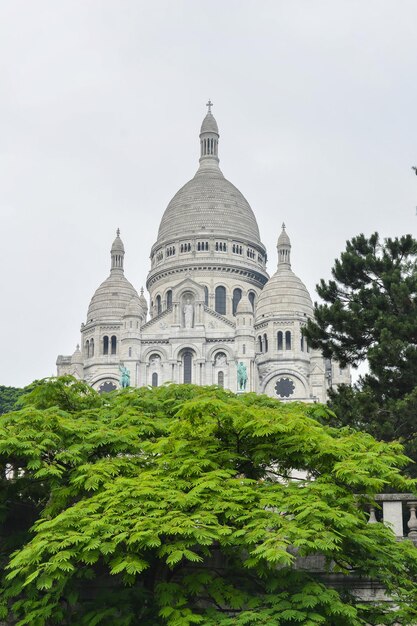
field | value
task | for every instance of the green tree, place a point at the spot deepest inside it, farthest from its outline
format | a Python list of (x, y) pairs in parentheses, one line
[(8, 398), (370, 313), (174, 506)]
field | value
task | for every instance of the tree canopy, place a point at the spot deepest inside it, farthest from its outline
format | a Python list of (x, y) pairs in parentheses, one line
[(370, 313), (176, 505), (8, 398)]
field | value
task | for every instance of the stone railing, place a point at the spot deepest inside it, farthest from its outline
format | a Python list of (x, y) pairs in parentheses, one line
[(398, 511)]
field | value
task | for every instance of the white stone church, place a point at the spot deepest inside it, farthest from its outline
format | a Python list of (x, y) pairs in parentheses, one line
[(212, 306)]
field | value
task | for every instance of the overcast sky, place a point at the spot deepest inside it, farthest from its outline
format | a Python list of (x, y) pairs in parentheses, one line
[(100, 107)]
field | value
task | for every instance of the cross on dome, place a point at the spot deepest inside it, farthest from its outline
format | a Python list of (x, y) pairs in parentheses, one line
[(118, 232), (209, 105)]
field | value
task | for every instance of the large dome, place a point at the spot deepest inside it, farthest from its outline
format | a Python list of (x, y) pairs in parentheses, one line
[(209, 203)]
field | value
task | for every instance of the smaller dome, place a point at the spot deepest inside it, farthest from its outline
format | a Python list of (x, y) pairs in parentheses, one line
[(285, 295), (244, 306), (134, 308), (209, 124), (143, 301), (111, 299), (77, 358)]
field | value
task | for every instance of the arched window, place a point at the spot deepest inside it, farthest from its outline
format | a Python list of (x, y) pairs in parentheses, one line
[(280, 340), (302, 343), (287, 340), (91, 347), (169, 299), (158, 305), (220, 379), (113, 344), (266, 342), (130, 351), (220, 300), (187, 362), (206, 295), (244, 349), (87, 349), (105, 345), (237, 295), (260, 343), (252, 299), (154, 379)]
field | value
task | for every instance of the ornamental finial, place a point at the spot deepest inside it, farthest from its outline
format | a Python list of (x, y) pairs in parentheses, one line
[(118, 232), (209, 105)]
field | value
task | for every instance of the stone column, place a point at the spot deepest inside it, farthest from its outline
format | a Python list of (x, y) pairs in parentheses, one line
[(393, 517), (412, 522)]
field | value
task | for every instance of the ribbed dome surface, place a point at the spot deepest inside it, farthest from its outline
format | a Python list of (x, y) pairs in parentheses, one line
[(209, 203), (283, 294), (111, 298)]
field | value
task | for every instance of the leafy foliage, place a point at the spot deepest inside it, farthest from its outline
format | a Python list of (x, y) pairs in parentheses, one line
[(173, 506), (370, 312), (8, 398)]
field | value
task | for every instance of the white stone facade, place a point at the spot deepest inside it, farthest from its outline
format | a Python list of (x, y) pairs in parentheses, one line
[(212, 303)]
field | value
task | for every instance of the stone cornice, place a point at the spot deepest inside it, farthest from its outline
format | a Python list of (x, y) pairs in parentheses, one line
[(153, 341), (259, 278), (220, 340)]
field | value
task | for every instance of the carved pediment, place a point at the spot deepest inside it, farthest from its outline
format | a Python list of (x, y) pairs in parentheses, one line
[(159, 323), (187, 285), (216, 321)]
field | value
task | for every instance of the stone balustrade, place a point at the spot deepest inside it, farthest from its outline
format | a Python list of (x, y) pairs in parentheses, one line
[(398, 510)]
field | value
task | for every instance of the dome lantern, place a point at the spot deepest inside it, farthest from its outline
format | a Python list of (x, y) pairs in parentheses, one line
[(209, 137), (284, 249), (117, 254)]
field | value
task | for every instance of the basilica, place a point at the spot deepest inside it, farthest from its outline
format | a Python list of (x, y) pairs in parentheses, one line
[(214, 317)]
